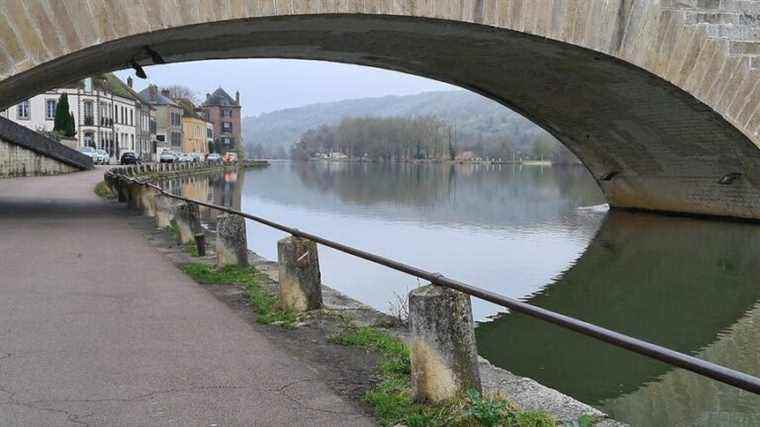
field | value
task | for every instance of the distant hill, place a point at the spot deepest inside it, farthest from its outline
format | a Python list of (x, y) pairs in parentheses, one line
[(473, 115)]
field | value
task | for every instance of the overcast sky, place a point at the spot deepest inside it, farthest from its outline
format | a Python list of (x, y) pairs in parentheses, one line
[(273, 84)]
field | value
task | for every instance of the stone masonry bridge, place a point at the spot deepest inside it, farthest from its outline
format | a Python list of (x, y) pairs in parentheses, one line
[(659, 98)]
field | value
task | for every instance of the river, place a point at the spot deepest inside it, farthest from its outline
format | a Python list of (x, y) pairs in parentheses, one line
[(545, 236)]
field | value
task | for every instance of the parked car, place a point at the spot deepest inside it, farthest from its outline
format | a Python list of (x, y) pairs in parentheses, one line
[(184, 158), (129, 158), (89, 152), (167, 157), (230, 157), (197, 157), (102, 157), (213, 157)]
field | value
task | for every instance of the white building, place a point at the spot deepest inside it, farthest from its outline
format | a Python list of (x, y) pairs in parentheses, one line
[(103, 109)]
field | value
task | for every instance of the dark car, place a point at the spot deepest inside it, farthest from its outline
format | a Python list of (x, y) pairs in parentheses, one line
[(129, 158)]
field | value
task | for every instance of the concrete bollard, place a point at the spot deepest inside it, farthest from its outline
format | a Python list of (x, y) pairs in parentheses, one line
[(231, 241), (149, 202), (121, 189), (187, 216), (300, 280), (164, 210), (134, 192), (443, 352), (200, 243)]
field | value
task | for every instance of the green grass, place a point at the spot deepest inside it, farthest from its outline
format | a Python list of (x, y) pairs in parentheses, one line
[(393, 402), (266, 305), (191, 248), (102, 191), (173, 230)]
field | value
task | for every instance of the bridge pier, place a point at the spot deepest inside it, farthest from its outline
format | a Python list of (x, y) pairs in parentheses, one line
[(443, 352)]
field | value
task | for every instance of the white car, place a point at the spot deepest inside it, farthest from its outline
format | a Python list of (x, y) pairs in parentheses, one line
[(184, 158), (89, 152), (197, 157), (167, 157), (214, 157), (102, 157)]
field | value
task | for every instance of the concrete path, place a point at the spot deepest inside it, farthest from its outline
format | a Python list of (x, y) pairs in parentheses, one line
[(98, 328)]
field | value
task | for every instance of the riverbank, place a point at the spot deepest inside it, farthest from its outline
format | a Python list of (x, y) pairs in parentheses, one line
[(312, 338)]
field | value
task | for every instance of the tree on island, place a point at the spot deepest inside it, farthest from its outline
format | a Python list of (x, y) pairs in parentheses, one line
[(64, 120)]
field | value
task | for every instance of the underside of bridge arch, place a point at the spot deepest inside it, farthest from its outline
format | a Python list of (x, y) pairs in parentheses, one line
[(649, 144)]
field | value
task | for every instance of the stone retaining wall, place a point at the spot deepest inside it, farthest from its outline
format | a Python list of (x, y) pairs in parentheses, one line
[(24, 152)]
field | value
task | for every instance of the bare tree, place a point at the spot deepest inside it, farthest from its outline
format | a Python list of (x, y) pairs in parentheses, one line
[(179, 91)]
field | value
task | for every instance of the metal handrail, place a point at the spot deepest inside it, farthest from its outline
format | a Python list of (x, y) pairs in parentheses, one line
[(702, 367)]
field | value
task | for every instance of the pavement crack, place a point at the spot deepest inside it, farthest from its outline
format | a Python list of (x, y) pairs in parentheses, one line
[(143, 396), (283, 390)]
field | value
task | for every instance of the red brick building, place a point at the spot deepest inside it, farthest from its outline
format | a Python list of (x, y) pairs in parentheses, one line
[(224, 113)]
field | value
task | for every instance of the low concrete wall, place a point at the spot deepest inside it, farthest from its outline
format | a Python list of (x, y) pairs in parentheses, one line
[(24, 152)]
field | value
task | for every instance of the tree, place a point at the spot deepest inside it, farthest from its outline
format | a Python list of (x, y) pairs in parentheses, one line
[(64, 120), (179, 91)]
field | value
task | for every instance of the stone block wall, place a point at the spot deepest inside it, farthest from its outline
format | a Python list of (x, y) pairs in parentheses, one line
[(18, 161)]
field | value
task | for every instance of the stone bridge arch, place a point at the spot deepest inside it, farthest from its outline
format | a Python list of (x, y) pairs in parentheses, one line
[(658, 98)]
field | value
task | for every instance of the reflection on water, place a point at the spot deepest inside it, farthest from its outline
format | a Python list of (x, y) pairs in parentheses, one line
[(538, 235)]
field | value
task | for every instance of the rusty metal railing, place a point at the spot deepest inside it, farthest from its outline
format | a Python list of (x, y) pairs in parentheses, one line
[(702, 367)]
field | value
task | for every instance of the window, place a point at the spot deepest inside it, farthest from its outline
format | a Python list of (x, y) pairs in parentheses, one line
[(227, 126), (176, 119), (132, 142), (88, 114), (23, 111), (131, 117), (209, 133), (161, 138), (226, 113), (50, 107), (225, 141), (176, 138)]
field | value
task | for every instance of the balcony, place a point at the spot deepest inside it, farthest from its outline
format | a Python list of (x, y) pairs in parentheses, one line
[(89, 121)]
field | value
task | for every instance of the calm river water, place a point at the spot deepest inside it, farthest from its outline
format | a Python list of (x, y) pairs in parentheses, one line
[(542, 235)]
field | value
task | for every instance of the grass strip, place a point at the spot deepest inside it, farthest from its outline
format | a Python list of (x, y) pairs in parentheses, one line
[(392, 397), (103, 191), (266, 305)]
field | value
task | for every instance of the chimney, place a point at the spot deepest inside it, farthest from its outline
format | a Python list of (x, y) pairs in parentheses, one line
[(153, 90), (166, 93), (237, 97)]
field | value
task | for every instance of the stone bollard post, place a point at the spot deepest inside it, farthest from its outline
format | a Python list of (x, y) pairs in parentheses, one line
[(135, 196), (200, 243), (188, 219), (149, 201), (443, 352), (121, 189), (300, 280), (231, 241), (164, 210)]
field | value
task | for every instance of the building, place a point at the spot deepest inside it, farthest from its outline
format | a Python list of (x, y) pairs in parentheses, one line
[(224, 113), (193, 128), (145, 127), (103, 108), (168, 117), (209, 134)]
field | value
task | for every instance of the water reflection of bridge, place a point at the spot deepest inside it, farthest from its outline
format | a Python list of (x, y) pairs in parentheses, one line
[(683, 283)]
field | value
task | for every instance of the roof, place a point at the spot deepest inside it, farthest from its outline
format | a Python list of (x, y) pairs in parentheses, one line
[(152, 95), (220, 97), (107, 82), (188, 109)]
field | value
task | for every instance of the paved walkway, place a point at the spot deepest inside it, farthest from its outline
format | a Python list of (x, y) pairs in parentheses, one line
[(98, 328)]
